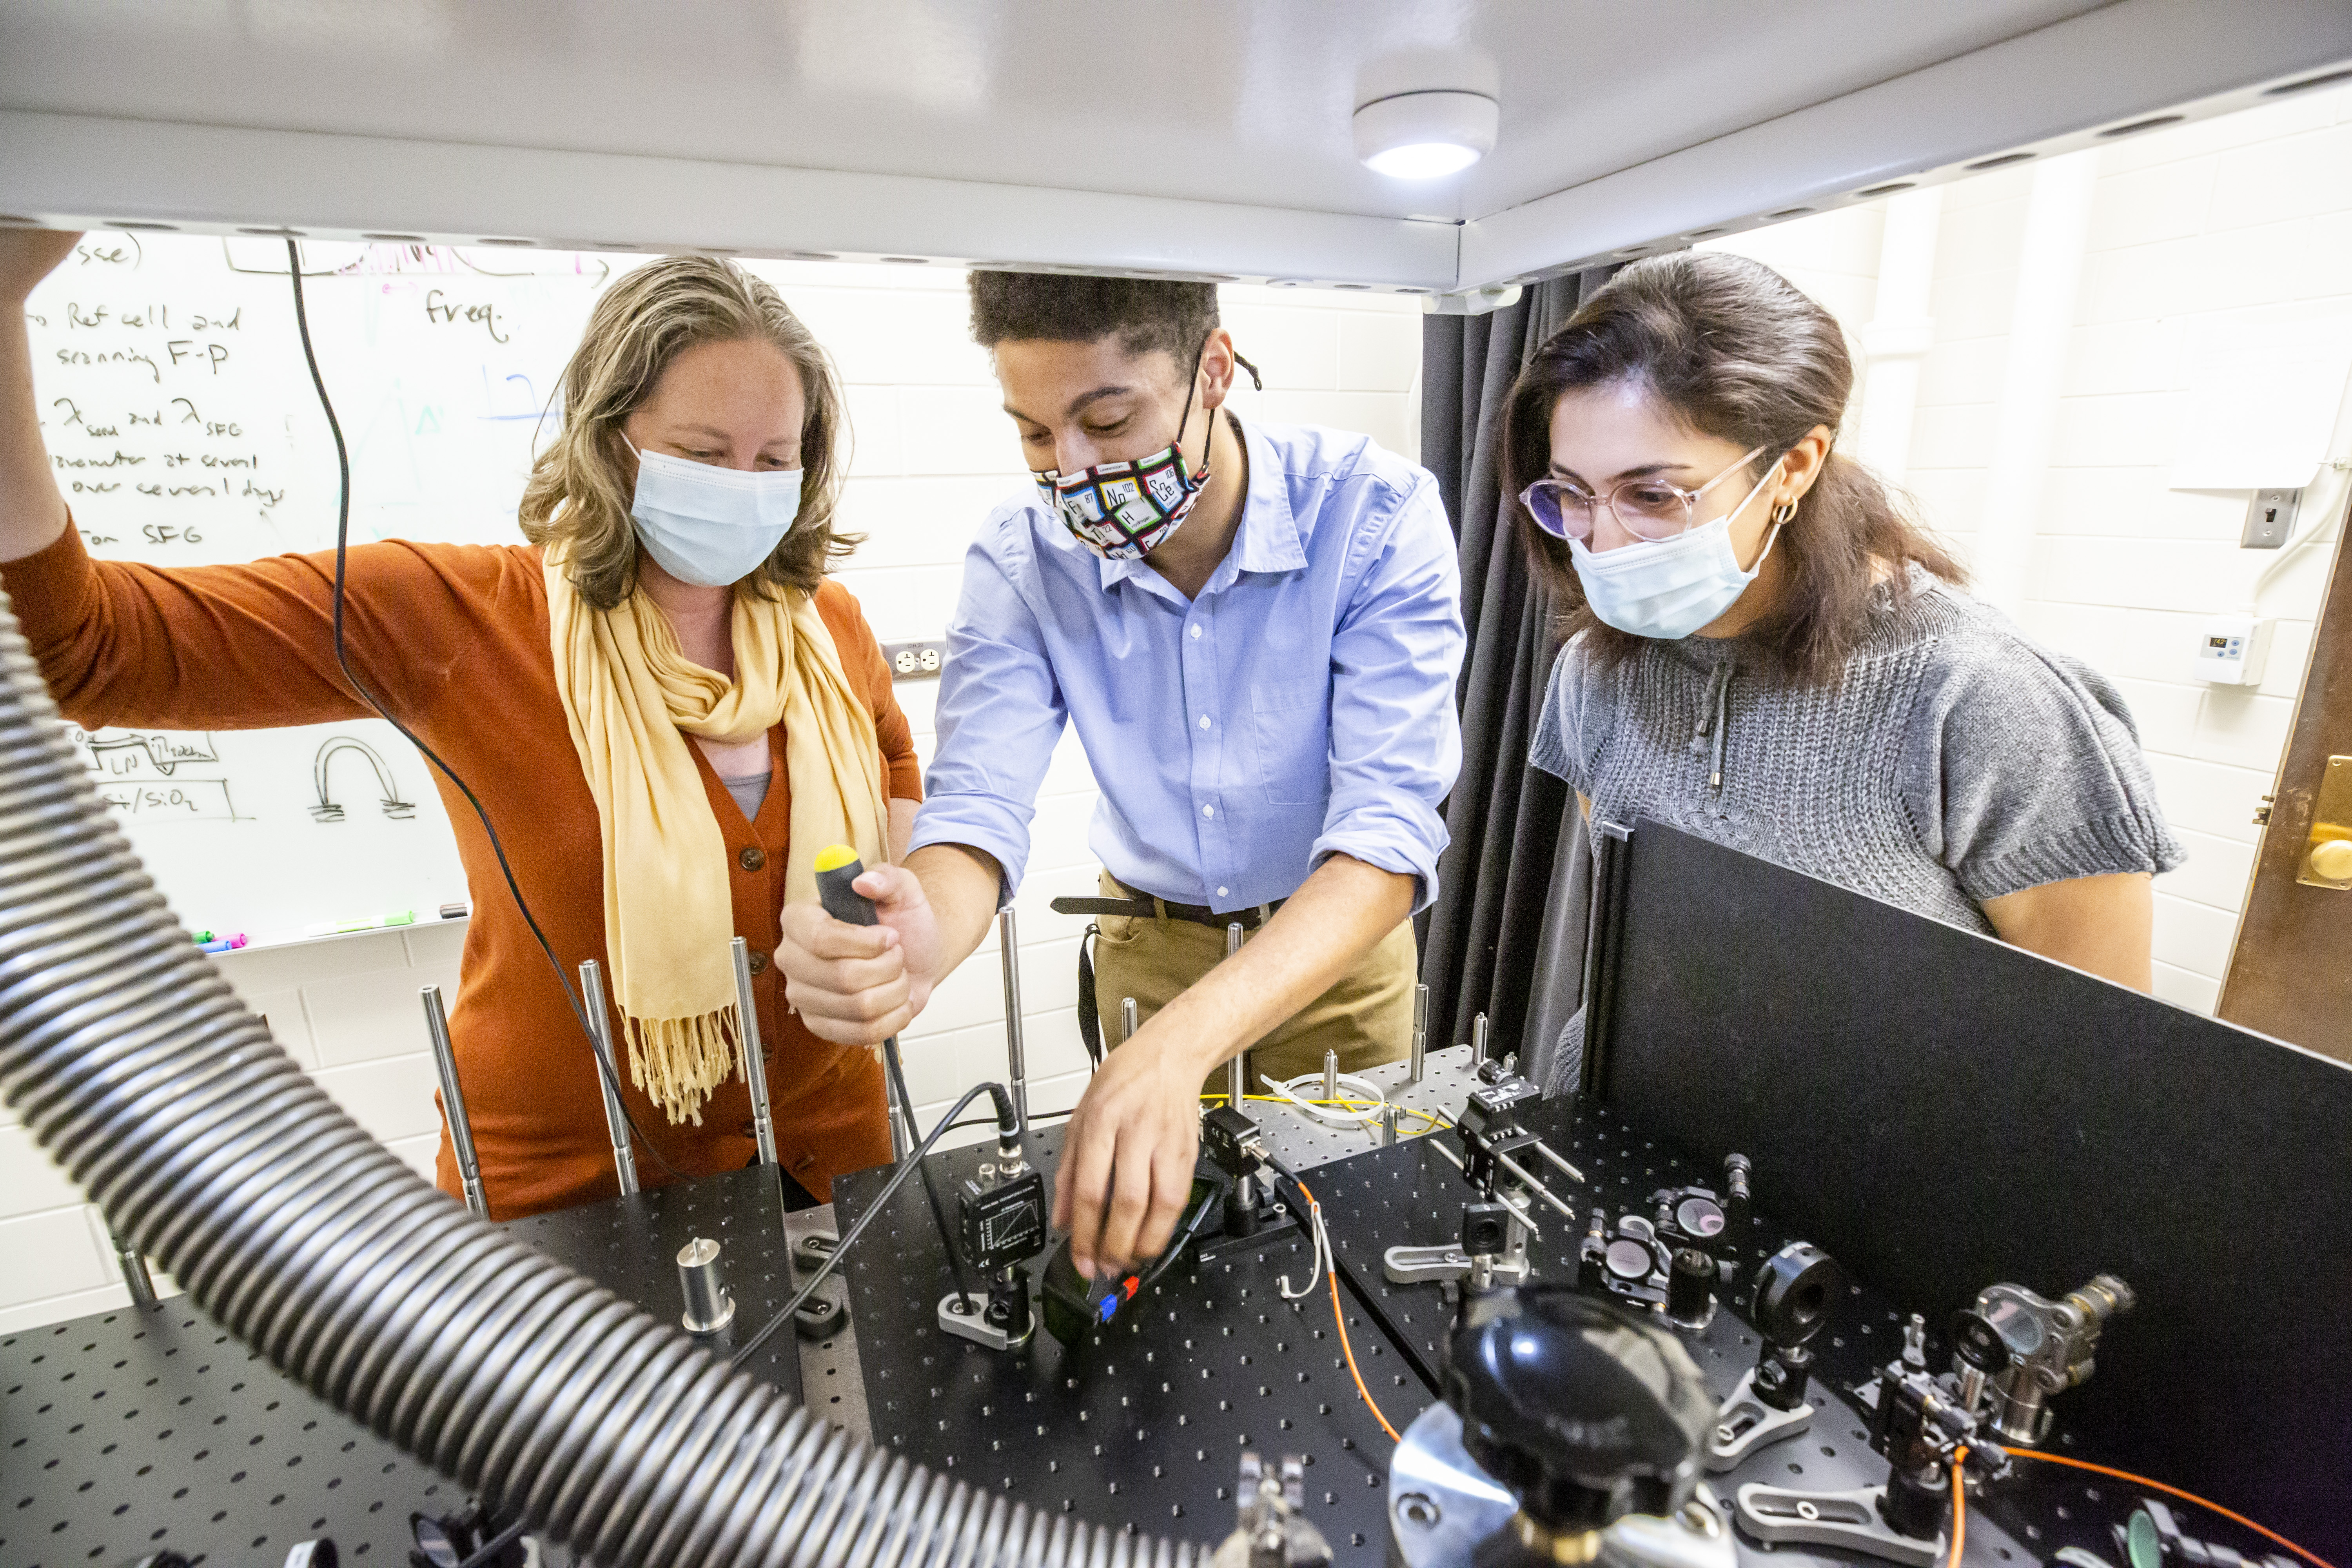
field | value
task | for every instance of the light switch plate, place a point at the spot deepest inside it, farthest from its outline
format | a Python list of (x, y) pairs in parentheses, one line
[(2270, 519), (915, 660)]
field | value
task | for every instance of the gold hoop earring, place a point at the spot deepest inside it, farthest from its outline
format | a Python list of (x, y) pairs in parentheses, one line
[(1782, 513)]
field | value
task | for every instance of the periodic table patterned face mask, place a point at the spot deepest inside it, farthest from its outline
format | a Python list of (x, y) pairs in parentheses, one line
[(1125, 511)]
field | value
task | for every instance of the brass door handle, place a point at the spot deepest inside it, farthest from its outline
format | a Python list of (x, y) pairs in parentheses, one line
[(2327, 853)]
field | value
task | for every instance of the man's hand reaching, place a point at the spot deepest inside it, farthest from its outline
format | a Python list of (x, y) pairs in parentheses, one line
[(1127, 1161)]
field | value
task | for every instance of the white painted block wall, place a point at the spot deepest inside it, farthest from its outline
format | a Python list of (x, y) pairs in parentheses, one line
[(933, 454), (2218, 218)]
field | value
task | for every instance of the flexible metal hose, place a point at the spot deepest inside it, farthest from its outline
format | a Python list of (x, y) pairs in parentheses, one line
[(206, 1145)]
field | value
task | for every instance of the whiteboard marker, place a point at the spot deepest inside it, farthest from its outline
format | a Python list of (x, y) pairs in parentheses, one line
[(398, 917)]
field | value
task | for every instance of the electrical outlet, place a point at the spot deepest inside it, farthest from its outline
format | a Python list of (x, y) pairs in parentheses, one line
[(915, 660), (2270, 518)]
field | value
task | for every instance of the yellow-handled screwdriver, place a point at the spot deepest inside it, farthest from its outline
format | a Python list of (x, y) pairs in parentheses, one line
[(838, 866)]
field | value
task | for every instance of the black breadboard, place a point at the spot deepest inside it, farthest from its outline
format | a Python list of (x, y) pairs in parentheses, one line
[(629, 1245), (138, 1431), (1142, 1423), (1145, 1422), (1410, 1195), (130, 1432)]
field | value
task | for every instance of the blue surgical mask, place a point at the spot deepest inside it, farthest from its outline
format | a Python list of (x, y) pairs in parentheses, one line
[(1669, 588), (710, 525)]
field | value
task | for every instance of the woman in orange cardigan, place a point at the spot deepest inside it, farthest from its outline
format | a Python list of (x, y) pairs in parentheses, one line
[(662, 703)]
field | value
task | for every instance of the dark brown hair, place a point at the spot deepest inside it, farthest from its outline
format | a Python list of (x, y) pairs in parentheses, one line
[(1147, 313), (579, 494), (1733, 349)]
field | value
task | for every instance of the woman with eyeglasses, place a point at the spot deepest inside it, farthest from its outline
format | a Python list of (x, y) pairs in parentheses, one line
[(1763, 650)]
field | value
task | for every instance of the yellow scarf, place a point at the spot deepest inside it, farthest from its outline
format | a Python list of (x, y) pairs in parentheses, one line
[(632, 698)]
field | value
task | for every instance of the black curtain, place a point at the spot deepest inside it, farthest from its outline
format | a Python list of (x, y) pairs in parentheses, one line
[(1488, 944)]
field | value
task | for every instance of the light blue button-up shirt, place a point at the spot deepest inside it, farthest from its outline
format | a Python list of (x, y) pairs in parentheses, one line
[(1301, 706)]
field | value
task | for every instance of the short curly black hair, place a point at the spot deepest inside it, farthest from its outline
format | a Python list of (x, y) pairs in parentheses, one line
[(1147, 313)]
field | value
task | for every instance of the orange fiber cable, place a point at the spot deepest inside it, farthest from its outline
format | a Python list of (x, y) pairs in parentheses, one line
[(1959, 1508), (1340, 1321), (2172, 1492)]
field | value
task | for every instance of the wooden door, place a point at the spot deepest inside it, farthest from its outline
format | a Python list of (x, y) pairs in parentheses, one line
[(2291, 968)]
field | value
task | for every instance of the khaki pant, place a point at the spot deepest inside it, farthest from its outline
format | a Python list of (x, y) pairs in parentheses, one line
[(1366, 1017)]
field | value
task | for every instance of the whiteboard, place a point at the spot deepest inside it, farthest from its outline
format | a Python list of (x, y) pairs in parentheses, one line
[(181, 417)]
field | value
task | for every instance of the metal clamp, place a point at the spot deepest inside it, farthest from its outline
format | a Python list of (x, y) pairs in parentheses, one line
[(814, 1250), (1271, 1529), (968, 1318), (1420, 1265), (1745, 1424), (826, 1309), (1777, 1516)]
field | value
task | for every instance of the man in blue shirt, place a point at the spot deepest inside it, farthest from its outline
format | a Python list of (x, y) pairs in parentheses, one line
[(1257, 631)]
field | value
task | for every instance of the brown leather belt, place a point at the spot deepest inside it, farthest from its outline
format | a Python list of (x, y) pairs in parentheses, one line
[(1144, 907)]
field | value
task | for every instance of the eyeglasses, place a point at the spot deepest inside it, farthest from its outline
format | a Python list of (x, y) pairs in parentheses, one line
[(1647, 509)]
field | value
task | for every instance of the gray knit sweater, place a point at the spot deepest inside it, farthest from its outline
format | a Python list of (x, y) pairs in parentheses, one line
[(1950, 762)]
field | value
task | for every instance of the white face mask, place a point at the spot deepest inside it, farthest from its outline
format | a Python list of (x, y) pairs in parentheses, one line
[(710, 525), (1669, 588)]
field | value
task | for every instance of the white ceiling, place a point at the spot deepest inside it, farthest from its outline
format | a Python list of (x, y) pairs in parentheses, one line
[(416, 115), (1233, 100)]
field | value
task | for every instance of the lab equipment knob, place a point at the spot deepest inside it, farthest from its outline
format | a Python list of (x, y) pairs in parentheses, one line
[(1582, 1411), (1690, 1288), (1738, 1170)]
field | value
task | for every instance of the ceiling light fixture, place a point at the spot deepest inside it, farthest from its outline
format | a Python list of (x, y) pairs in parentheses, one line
[(1425, 135)]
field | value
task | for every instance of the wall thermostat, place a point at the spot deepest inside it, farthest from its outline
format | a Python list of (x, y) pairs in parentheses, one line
[(2231, 650)]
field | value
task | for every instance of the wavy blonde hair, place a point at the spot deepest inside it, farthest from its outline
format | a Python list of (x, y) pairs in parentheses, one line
[(579, 495)]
